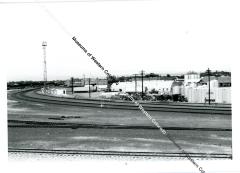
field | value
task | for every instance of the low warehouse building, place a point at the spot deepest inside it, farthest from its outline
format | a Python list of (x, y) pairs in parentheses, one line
[(220, 90), (162, 86)]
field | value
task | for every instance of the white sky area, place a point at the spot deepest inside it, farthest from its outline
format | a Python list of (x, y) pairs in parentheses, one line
[(125, 37)]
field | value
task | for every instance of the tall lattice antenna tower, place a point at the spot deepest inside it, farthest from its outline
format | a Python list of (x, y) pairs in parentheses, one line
[(44, 46)]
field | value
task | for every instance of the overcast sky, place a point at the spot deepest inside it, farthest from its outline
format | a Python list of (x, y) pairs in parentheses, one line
[(125, 37)]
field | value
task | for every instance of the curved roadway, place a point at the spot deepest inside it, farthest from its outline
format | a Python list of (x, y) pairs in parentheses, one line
[(33, 95)]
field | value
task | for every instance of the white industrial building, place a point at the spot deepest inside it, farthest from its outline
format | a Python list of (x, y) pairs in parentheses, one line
[(101, 87), (162, 86), (56, 91), (191, 79), (177, 88), (194, 88), (84, 88), (200, 94), (220, 90)]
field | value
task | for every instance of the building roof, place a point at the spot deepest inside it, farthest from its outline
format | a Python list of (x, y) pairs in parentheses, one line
[(192, 72), (205, 79), (177, 83), (221, 79), (224, 79)]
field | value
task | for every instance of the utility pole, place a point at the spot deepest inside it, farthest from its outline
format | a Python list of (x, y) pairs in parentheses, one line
[(72, 82), (209, 90), (44, 46), (135, 79), (89, 89), (83, 79), (142, 83)]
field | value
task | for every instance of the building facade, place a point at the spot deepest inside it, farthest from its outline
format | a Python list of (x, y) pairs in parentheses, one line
[(220, 90)]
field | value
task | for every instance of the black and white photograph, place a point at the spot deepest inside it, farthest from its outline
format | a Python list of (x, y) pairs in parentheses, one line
[(134, 82)]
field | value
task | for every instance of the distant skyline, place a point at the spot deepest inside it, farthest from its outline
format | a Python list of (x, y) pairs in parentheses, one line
[(104, 76), (125, 37)]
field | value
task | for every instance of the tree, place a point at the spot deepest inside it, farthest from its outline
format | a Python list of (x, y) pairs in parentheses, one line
[(111, 80), (151, 75), (121, 79)]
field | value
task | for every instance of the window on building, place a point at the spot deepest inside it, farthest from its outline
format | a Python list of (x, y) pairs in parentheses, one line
[(224, 84)]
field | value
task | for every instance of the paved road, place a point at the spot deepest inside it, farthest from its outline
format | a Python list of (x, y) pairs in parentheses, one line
[(55, 127)]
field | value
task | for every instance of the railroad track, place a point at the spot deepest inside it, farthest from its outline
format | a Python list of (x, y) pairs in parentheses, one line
[(32, 96), (39, 124), (123, 153)]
